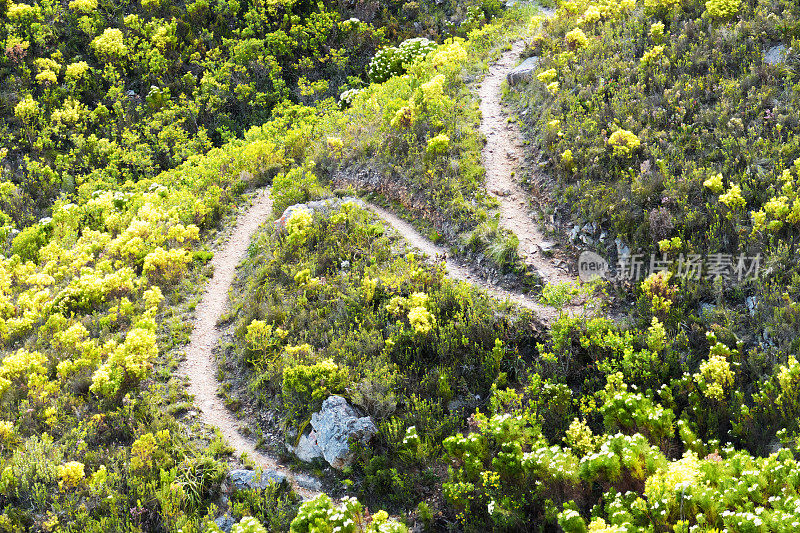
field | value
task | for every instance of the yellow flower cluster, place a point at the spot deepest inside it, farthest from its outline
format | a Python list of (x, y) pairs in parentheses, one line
[(733, 198), (576, 38), (715, 376), (297, 226), (623, 143), (70, 474), (723, 9), (678, 476), (450, 55), (83, 6), (714, 183)]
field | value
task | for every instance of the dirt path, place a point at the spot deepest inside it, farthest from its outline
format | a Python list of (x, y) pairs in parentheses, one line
[(200, 366), (459, 272), (502, 156)]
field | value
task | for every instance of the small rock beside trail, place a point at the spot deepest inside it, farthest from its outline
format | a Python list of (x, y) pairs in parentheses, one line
[(250, 479), (501, 191), (334, 426), (523, 72)]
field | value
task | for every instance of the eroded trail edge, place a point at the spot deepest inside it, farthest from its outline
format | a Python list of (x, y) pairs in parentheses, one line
[(201, 367), (502, 156)]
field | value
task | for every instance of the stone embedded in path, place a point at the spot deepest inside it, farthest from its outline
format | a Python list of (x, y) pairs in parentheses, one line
[(334, 427), (546, 246), (523, 72), (250, 479)]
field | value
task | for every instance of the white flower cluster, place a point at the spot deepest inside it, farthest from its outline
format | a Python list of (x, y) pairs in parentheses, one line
[(393, 61), (346, 98)]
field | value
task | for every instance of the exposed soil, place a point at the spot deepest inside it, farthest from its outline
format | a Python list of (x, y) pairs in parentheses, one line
[(502, 156), (200, 366), (459, 271)]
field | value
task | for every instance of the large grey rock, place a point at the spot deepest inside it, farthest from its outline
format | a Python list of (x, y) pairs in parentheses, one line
[(335, 425), (775, 55), (307, 449), (250, 479), (323, 206), (524, 71)]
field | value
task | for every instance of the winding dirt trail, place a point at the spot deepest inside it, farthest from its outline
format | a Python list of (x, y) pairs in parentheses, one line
[(200, 366), (501, 157), (459, 272)]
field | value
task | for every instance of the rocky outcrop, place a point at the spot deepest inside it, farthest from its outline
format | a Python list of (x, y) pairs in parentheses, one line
[(523, 72), (334, 427)]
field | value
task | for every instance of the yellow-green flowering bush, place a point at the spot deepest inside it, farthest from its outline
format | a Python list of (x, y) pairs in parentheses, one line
[(6, 430), (623, 143), (733, 198), (723, 9), (575, 38), (678, 476), (437, 146), (714, 183), (21, 12), (657, 32), (26, 109), (591, 16), (128, 363), (715, 376), (70, 474), (651, 56), (448, 57), (580, 438), (421, 320), (260, 336), (110, 46), (166, 265), (547, 76), (306, 386), (781, 209), (83, 6), (567, 159), (150, 451), (369, 286), (298, 224)]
